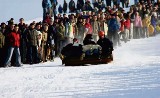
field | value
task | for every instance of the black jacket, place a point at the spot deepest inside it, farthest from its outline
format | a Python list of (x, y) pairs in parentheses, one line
[(106, 44)]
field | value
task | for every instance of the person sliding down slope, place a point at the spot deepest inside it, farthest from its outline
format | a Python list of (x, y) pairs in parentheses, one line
[(105, 43)]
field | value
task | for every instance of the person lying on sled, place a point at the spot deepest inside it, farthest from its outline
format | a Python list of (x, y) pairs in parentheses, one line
[(72, 50), (88, 40), (90, 48)]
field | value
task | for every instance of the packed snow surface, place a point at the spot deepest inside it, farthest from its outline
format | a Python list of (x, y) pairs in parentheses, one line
[(134, 73)]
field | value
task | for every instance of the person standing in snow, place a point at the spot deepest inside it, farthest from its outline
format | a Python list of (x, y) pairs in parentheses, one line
[(113, 28), (23, 51), (88, 27), (72, 6), (13, 46), (2, 42), (32, 43), (154, 21), (60, 37), (95, 25), (46, 5), (146, 22), (80, 4), (81, 29), (60, 9), (54, 4), (51, 38), (44, 42), (65, 6), (127, 25), (137, 26)]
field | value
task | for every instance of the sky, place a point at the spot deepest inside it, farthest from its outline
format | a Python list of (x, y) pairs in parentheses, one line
[(27, 9)]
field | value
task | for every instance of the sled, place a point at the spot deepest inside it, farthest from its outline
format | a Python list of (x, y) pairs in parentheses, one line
[(91, 54)]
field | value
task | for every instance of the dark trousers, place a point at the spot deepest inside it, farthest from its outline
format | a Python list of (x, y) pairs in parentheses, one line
[(113, 36), (32, 54), (1, 57)]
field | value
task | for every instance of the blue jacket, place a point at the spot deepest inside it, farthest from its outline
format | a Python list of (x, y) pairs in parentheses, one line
[(60, 9), (153, 21), (113, 25)]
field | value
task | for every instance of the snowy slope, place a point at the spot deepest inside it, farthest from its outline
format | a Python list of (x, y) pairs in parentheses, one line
[(134, 73)]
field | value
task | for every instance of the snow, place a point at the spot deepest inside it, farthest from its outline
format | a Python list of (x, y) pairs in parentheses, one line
[(134, 73)]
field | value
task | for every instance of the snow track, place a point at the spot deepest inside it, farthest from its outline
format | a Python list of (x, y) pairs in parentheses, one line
[(134, 73)]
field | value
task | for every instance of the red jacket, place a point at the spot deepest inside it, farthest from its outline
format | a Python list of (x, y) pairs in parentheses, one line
[(127, 24), (47, 19), (122, 25), (14, 39), (89, 27)]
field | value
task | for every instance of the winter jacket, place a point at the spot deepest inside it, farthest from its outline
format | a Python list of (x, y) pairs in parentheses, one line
[(61, 32), (47, 19), (122, 25), (2, 39), (65, 7), (106, 44), (60, 9), (72, 51), (153, 21), (39, 38), (138, 21), (127, 24), (146, 22), (88, 40), (72, 6), (70, 30), (32, 37), (44, 37), (113, 25), (87, 7), (88, 26), (81, 30), (46, 4), (103, 27), (14, 39), (95, 26), (158, 28)]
